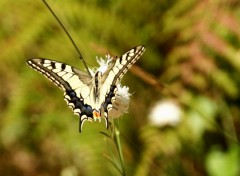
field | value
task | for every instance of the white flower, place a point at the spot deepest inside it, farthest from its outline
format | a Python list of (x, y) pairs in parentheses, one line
[(165, 113), (121, 103), (103, 63)]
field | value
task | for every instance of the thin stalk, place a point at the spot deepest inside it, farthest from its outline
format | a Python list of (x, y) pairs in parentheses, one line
[(115, 149), (68, 35), (119, 148)]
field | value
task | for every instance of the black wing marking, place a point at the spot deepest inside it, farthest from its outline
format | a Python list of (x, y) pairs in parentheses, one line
[(71, 81)]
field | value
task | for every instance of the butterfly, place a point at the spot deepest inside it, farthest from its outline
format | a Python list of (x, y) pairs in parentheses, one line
[(91, 96)]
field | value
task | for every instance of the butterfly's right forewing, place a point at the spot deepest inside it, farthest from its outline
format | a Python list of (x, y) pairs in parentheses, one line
[(123, 63)]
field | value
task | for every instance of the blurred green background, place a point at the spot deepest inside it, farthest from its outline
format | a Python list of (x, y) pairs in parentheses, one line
[(192, 60)]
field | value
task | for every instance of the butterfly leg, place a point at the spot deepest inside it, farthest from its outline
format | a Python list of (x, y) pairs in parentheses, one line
[(105, 116)]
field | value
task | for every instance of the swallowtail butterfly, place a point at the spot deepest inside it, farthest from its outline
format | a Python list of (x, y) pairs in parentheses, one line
[(90, 96)]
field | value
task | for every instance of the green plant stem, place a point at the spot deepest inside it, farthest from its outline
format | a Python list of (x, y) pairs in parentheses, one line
[(114, 137), (117, 142)]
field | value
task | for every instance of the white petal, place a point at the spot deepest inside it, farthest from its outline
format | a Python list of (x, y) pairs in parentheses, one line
[(121, 102)]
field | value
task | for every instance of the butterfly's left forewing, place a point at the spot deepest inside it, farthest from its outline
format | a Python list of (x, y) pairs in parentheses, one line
[(114, 74), (75, 84)]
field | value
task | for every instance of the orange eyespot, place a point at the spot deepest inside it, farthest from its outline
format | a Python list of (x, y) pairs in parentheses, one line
[(96, 114)]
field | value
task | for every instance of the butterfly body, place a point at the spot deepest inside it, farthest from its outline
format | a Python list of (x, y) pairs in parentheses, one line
[(90, 96)]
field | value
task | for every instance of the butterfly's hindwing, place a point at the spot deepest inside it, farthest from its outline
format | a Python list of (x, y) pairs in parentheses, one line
[(79, 108), (108, 103)]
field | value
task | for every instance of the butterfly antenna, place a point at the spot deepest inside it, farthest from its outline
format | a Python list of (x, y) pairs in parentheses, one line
[(67, 33)]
